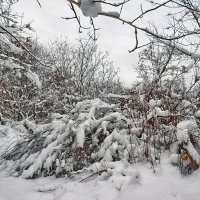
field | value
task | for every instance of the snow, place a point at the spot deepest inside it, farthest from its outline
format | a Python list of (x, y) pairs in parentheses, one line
[(174, 158), (38, 163), (6, 43), (153, 103), (182, 135), (186, 103), (190, 148), (116, 157), (10, 64), (138, 182), (8, 138), (114, 13), (110, 95), (34, 78), (161, 113), (184, 128), (197, 114), (14, 49), (90, 8)]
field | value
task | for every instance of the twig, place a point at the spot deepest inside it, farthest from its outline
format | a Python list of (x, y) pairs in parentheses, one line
[(21, 44), (92, 175), (112, 4), (150, 10), (39, 3)]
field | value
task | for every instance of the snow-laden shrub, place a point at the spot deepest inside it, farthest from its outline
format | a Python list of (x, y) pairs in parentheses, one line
[(93, 132), (97, 135), (163, 120)]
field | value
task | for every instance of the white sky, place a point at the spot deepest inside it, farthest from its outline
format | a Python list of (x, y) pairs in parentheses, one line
[(114, 36)]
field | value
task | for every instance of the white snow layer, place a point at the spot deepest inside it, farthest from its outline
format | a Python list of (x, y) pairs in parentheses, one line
[(153, 103), (185, 128), (14, 49), (114, 13), (136, 182), (90, 8), (34, 78), (161, 113), (197, 114)]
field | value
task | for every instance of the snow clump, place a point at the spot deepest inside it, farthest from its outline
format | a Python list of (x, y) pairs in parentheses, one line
[(90, 8)]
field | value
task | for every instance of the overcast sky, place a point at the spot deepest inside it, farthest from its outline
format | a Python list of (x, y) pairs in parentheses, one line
[(113, 36)]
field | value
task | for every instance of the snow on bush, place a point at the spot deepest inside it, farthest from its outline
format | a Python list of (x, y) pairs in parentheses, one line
[(184, 129), (34, 78), (93, 132), (197, 114), (187, 136), (8, 138), (98, 136)]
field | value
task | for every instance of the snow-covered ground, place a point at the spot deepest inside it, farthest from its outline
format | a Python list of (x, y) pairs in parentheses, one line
[(165, 184), (136, 182)]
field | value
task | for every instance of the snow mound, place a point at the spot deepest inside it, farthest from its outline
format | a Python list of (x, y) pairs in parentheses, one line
[(184, 128)]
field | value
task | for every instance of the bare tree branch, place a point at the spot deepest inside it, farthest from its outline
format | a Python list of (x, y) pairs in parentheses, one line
[(39, 3), (150, 10)]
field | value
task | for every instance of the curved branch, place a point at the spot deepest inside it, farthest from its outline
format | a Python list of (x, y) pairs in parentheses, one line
[(21, 44)]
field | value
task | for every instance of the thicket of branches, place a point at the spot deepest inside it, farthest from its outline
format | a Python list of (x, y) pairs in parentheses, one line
[(36, 81)]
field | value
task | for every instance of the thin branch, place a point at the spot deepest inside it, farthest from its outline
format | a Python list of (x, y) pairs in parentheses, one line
[(74, 2), (136, 42), (76, 17), (181, 49), (68, 18), (99, 172), (120, 12), (112, 4), (146, 30), (39, 3), (150, 10), (94, 29), (139, 47), (21, 44), (8, 18)]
